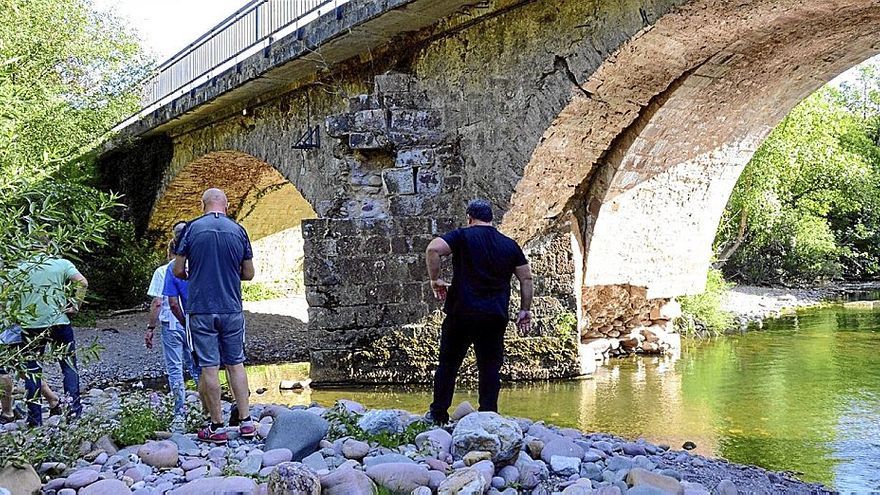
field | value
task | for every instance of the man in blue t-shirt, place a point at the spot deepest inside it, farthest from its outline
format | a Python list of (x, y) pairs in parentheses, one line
[(476, 304), (215, 255)]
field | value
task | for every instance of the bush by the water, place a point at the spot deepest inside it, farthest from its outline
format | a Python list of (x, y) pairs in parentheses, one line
[(704, 313)]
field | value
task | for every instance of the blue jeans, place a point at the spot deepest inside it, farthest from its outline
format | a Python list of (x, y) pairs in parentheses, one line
[(177, 356), (35, 340)]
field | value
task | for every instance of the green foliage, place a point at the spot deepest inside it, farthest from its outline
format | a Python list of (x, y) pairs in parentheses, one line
[(565, 325), (345, 424), (59, 443), (141, 417), (258, 291), (119, 272), (703, 313), (65, 77), (807, 206)]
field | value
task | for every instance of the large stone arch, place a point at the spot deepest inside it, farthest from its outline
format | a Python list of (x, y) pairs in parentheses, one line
[(260, 198), (643, 158)]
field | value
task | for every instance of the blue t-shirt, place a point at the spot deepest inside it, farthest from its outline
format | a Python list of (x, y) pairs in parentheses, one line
[(483, 260), (214, 247), (175, 287)]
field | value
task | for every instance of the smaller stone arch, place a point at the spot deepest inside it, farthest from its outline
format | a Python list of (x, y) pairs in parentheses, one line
[(269, 207)]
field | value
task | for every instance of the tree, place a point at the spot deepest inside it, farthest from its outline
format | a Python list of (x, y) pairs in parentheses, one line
[(67, 75), (808, 188)]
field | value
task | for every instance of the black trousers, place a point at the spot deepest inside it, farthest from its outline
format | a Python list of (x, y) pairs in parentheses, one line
[(486, 333)]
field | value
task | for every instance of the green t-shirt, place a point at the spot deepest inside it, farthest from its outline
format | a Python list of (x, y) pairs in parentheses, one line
[(46, 280)]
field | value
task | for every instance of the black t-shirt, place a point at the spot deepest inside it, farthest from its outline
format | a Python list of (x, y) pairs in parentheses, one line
[(483, 260)]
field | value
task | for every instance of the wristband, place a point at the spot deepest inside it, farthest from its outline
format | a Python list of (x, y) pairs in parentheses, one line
[(151, 327)]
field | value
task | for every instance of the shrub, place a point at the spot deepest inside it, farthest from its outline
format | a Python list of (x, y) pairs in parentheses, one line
[(258, 291), (141, 418), (119, 272), (704, 312)]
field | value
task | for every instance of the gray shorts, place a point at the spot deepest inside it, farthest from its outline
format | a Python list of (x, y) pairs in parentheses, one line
[(216, 339)]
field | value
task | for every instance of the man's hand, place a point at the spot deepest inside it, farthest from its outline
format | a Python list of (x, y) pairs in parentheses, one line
[(148, 338), (524, 322), (440, 288)]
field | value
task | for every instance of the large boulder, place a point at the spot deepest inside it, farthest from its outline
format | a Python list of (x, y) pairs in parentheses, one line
[(162, 454), (293, 478), (490, 432), (399, 477), (298, 431), (347, 481), (382, 421), (20, 481)]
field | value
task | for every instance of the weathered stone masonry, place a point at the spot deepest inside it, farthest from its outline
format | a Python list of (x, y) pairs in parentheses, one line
[(371, 307)]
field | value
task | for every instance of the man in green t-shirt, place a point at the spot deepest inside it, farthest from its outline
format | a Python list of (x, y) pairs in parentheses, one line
[(52, 289)]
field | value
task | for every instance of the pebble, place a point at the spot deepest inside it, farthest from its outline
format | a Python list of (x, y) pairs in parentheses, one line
[(355, 449)]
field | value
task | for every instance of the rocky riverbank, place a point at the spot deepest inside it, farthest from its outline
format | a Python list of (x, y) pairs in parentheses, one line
[(752, 304), (347, 450)]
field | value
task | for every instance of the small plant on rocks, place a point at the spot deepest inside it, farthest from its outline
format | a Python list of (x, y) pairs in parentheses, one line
[(141, 417), (344, 423), (61, 442)]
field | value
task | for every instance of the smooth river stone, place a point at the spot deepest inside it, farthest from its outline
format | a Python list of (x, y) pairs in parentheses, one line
[(399, 477), (106, 487), (81, 478)]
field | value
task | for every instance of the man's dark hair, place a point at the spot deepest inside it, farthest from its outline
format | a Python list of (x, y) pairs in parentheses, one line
[(480, 209)]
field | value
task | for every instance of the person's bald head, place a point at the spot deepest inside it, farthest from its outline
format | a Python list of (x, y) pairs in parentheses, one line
[(214, 200)]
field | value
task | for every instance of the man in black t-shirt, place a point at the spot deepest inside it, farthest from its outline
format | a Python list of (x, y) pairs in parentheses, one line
[(476, 304)]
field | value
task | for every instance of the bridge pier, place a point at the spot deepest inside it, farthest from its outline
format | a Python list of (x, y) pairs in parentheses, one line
[(371, 311)]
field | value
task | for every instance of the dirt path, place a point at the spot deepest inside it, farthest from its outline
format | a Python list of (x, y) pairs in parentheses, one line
[(271, 338)]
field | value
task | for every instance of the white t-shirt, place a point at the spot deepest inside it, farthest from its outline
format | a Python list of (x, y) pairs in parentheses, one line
[(157, 287)]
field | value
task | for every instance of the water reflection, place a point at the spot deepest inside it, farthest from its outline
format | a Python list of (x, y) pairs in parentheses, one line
[(801, 395)]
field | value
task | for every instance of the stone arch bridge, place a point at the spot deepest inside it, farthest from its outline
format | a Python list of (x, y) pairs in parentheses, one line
[(609, 134)]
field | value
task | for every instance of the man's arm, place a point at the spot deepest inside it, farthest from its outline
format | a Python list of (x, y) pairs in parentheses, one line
[(247, 270), (174, 303), (437, 248), (526, 292), (179, 268), (155, 306), (81, 286)]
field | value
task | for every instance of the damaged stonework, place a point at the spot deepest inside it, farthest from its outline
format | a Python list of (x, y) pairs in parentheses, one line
[(371, 309), (621, 320)]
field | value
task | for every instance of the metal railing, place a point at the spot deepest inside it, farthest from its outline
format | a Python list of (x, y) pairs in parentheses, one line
[(247, 31)]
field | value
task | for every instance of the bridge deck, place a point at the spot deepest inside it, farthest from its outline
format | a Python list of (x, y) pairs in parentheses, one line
[(358, 27)]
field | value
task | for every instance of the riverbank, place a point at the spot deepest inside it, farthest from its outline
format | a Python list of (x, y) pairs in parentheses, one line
[(751, 305), (348, 450), (125, 358)]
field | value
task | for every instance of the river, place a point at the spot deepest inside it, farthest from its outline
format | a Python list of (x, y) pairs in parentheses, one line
[(801, 395)]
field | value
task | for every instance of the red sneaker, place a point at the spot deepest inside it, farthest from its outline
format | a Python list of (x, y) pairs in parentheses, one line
[(247, 430), (207, 434)]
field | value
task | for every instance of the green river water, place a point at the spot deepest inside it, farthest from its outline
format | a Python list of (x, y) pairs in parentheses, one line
[(801, 395)]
